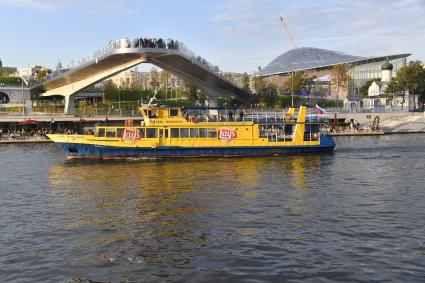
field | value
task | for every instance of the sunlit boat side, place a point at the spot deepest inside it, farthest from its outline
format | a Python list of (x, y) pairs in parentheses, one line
[(169, 132)]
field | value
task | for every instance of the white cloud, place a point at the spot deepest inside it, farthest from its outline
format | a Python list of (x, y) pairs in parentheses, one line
[(52, 5), (249, 19), (36, 4)]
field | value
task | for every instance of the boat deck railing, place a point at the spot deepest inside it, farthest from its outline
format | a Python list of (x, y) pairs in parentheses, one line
[(258, 118)]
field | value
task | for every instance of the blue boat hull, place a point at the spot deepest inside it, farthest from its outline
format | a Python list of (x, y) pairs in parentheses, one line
[(75, 150)]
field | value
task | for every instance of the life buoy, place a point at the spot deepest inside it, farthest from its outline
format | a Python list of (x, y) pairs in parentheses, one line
[(287, 117), (194, 119)]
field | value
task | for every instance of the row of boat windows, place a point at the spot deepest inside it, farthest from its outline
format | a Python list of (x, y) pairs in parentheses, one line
[(152, 133), (193, 133)]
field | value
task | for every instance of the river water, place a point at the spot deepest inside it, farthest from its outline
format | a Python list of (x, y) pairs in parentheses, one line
[(357, 215)]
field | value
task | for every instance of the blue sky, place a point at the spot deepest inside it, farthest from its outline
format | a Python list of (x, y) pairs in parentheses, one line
[(236, 35)]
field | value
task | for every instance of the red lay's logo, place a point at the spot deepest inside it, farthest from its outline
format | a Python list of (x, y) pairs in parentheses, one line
[(227, 134)]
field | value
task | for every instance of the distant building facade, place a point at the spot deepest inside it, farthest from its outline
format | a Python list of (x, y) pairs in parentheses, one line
[(128, 79), (376, 99), (34, 72), (146, 80)]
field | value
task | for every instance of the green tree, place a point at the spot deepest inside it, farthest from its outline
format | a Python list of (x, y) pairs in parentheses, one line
[(245, 82), (154, 78), (259, 84), (393, 88), (164, 82), (110, 90), (299, 81), (269, 96), (364, 88), (192, 94), (10, 80), (412, 78)]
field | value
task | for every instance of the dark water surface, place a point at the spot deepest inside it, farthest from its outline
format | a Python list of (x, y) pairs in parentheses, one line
[(357, 215)]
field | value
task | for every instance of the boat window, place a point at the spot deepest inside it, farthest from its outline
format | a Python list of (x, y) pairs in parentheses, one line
[(274, 133), (151, 133), (110, 133), (212, 133), (203, 132), (194, 132), (152, 114), (289, 129), (120, 132), (174, 112), (174, 132), (141, 132), (100, 132), (312, 132), (184, 133)]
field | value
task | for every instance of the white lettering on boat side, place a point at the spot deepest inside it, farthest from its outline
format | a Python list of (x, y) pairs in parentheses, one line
[(227, 134)]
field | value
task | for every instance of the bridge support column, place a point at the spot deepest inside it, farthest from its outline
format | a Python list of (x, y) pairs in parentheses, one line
[(69, 104), (68, 90)]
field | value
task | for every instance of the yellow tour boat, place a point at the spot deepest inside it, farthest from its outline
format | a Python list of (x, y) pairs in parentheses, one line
[(170, 132)]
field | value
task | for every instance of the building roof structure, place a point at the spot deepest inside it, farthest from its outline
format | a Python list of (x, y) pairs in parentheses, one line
[(310, 58)]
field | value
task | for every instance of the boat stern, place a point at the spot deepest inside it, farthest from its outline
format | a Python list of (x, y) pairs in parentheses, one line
[(327, 142)]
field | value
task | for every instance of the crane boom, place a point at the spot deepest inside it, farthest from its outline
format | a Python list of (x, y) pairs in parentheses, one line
[(286, 29)]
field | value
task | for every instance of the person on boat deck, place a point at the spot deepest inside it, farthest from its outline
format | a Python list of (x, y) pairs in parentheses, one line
[(241, 115), (152, 114), (230, 115), (186, 115)]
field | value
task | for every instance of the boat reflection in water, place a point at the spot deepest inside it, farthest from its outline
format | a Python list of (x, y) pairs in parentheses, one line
[(166, 212)]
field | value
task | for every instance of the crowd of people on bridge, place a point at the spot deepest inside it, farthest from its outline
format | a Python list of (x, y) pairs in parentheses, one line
[(146, 42)]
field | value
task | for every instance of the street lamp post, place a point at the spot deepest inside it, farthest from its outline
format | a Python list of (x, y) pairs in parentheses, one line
[(292, 89), (23, 96), (119, 98), (337, 91)]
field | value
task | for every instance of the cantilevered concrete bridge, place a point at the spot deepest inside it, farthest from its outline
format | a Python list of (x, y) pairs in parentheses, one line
[(122, 55)]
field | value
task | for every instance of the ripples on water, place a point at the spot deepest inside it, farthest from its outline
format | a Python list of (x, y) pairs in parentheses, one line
[(356, 215)]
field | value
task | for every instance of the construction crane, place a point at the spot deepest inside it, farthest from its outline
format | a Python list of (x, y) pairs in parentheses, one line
[(286, 29)]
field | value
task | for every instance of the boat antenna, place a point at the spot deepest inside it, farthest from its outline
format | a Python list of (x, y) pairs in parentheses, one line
[(153, 98)]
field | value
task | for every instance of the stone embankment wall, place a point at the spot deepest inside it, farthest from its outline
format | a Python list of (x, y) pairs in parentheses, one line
[(395, 122)]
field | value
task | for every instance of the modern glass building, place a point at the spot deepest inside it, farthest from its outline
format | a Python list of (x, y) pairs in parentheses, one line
[(364, 71), (309, 59)]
